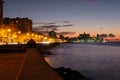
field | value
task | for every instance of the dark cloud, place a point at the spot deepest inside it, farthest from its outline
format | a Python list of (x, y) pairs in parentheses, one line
[(45, 29), (52, 26), (66, 33), (49, 23), (62, 21), (68, 25), (54, 29)]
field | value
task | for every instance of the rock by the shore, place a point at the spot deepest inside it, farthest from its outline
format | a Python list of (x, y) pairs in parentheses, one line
[(69, 74)]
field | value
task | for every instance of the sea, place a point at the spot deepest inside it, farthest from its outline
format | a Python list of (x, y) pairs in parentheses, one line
[(97, 61)]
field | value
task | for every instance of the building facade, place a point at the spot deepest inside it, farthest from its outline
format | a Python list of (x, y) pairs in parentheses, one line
[(1, 12), (22, 24)]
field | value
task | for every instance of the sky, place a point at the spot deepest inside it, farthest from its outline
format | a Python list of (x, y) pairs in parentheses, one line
[(90, 16)]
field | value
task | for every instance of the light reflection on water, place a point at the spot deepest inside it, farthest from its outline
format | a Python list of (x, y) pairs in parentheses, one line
[(98, 62)]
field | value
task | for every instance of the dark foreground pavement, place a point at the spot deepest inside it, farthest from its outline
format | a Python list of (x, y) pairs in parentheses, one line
[(26, 66)]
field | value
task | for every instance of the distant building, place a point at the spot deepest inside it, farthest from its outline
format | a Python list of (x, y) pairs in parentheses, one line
[(1, 12), (23, 24), (61, 37), (52, 34), (84, 36)]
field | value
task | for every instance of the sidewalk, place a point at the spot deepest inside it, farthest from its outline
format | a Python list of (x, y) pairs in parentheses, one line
[(26, 66), (9, 65), (35, 68)]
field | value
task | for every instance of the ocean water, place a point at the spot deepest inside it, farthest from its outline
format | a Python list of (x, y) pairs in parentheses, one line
[(97, 62)]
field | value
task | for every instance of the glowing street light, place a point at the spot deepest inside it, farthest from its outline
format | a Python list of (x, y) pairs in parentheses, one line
[(32, 34), (28, 38), (19, 32), (28, 34), (8, 34), (9, 30), (45, 38), (36, 35), (39, 36)]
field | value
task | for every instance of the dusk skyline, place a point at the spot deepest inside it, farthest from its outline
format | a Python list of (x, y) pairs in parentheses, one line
[(90, 16)]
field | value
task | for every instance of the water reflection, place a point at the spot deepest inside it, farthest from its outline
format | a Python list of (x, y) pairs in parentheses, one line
[(98, 62)]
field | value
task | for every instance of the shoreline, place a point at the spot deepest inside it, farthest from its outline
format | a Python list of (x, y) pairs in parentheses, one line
[(65, 73)]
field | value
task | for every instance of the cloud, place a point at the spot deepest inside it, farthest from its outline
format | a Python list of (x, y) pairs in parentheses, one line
[(44, 32), (49, 23), (52, 26), (66, 33), (38, 23), (62, 21), (68, 25)]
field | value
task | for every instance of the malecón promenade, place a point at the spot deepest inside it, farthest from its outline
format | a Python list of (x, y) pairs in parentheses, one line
[(26, 65)]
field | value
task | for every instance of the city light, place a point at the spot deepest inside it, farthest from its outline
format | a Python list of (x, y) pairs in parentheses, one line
[(28, 34), (45, 42), (10, 35), (19, 32), (9, 30)]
